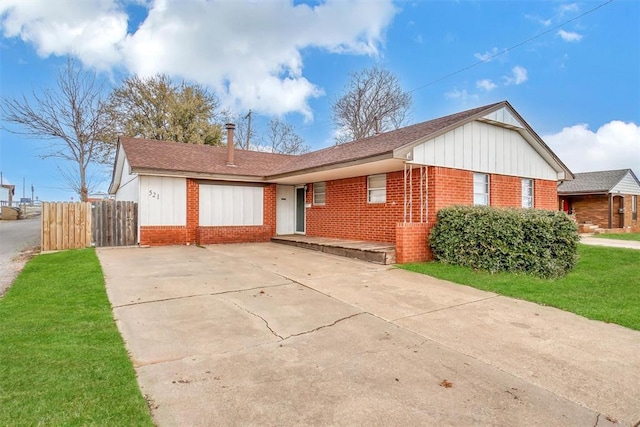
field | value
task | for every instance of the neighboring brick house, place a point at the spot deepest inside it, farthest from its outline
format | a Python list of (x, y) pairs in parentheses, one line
[(607, 199), (385, 188)]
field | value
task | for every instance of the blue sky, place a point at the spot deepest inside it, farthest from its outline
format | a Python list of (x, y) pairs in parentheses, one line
[(573, 71)]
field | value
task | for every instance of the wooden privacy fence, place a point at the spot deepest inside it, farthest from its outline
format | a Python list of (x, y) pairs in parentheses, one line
[(114, 223), (66, 226), (84, 224)]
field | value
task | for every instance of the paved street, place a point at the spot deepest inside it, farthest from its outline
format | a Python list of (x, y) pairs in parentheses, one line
[(267, 334), (15, 236)]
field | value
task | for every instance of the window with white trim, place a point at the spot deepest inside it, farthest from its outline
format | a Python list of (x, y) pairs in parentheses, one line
[(481, 189), (527, 193), (377, 188), (319, 193), (634, 207)]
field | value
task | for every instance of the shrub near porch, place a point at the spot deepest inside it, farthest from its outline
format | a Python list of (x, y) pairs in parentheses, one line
[(538, 242)]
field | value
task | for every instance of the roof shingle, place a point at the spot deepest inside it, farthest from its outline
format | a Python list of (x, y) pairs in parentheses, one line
[(593, 182)]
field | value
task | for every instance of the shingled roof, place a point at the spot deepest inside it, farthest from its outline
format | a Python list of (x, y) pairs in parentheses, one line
[(381, 143), (593, 182), (152, 155)]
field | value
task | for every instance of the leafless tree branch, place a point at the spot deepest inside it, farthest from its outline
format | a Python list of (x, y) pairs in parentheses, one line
[(71, 116), (372, 95)]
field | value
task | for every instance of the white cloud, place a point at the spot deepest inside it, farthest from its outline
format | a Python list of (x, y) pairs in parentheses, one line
[(486, 84), (570, 36), (569, 7), (615, 145), (461, 95), (518, 76), (487, 56), (89, 30), (248, 52)]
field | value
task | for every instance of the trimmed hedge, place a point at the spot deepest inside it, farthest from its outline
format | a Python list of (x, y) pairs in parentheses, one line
[(538, 242)]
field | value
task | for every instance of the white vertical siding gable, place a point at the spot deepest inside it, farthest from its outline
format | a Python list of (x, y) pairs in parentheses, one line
[(128, 190), (627, 185), (485, 147)]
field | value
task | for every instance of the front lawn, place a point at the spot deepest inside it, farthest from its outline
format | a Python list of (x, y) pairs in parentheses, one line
[(62, 360), (604, 285), (619, 236)]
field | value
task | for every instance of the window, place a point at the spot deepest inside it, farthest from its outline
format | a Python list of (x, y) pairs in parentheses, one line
[(377, 188), (634, 208), (481, 189), (527, 193), (319, 196)]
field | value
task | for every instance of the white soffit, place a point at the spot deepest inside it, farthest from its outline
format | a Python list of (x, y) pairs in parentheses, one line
[(503, 117)]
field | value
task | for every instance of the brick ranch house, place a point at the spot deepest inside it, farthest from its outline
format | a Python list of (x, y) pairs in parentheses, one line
[(605, 199), (385, 188)]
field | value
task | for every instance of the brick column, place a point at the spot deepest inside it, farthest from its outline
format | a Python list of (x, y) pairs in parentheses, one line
[(411, 242), (269, 209), (193, 210)]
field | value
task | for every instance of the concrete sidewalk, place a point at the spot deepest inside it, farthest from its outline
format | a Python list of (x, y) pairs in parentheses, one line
[(266, 334), (613, 243)]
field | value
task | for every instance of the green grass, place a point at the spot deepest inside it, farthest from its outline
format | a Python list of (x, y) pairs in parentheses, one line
[(62, 360), (619, 236), (604, 285)]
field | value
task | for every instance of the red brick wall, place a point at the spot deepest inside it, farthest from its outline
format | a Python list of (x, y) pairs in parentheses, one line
[(234, 234), (448, 187), (162, 235), (594, 209), (591, 210), (411, 242), (347, 214), (545, 195), (505, 191)]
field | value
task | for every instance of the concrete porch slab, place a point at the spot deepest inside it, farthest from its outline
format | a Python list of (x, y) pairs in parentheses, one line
[(376, 252)]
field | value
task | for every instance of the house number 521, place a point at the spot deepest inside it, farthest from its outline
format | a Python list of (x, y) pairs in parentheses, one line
[(154, 195)]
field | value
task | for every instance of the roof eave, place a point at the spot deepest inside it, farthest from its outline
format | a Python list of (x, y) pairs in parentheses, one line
[(197, 175), (115, 182), (335, 165), (583, 193)]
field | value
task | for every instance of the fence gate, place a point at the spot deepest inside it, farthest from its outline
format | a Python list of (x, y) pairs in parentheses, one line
[(65, 226), (114, 223)]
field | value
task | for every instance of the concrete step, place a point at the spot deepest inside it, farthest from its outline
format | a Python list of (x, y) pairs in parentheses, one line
[(378, 253)]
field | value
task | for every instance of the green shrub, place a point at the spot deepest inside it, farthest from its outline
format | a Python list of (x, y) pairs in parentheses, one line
[(538, 242)]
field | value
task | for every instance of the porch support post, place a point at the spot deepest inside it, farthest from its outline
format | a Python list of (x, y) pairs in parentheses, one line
[(610, 211)]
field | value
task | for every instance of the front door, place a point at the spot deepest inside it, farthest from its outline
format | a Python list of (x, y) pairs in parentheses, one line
[(285, 209), (300, 209)]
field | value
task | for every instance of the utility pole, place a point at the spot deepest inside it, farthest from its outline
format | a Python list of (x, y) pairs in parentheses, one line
[(248, 116), (32, 194)]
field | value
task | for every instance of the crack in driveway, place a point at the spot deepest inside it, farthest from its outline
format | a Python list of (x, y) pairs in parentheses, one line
[(325, 326), (259, 317), (200, 295), (298, 333)]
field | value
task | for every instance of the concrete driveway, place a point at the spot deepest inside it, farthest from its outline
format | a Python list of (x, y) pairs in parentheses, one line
[(266, 334)]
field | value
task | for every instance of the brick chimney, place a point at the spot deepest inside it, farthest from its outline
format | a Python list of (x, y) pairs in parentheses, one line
[(230, 128)]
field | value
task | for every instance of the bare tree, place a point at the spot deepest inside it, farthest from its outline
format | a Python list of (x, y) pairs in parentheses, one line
[(242, 127), (72, 117), (374, 101), (157, 108), (280, 137)]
